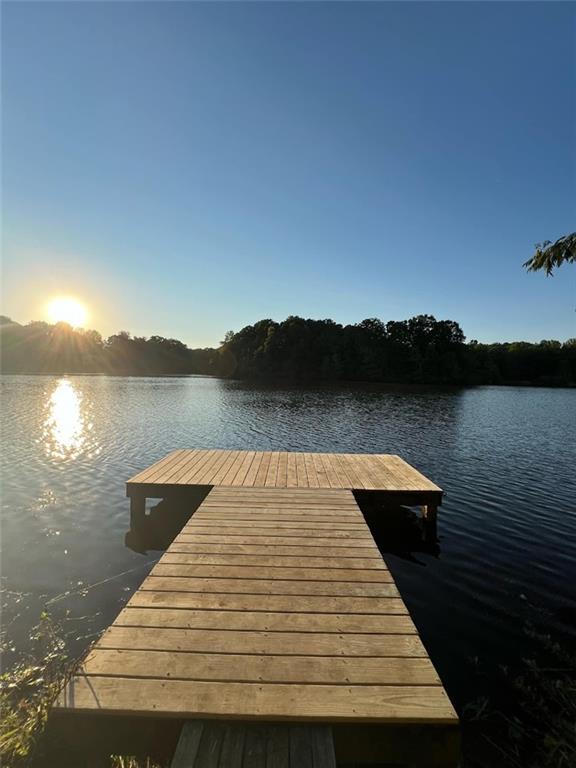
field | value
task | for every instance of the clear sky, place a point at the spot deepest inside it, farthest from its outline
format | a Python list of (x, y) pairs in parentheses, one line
[(189, 168)]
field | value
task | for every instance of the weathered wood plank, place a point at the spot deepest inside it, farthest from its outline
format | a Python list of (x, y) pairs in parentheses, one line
[(268, 603), (320, 527), (219, 470), (254, 755), (273, 561), (331, 474), (298, 516), (273, 573), (272, 474), (263, 643), (310, 531), (160, 467), (232, 746), (278, 746), (185, 468), (188, 745), (285, 539), (254, 548), (300, 747), (221, 744), (285, 506), (284, 497), (291, 472), (246, 701), (185, 472), (267, 622), (242, 474), (313, 479), (226, 523), (252, 473), (323, 753), (208, 755), (301, 471), (282, 477), (228, 478), (200, 470), (263, 469), (273, 587), (292, 494)]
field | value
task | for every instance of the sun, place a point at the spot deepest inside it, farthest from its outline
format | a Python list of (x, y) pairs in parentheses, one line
[(65, 309)]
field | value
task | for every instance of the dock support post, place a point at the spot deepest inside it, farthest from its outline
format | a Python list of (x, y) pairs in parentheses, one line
[(137, 511), (429, 515)]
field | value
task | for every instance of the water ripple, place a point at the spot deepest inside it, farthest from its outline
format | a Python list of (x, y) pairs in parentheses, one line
[(505, 457)]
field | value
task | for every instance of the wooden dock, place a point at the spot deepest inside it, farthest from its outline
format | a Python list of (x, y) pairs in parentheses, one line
[(273, 603), (188, 470)]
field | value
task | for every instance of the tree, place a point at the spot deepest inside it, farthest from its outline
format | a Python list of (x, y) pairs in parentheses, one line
[(550, 256)]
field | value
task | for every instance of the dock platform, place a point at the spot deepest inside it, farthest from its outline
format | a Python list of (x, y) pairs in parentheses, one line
[(188, 470), (273, 603)]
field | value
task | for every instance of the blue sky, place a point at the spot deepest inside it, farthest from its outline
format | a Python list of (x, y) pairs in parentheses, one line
[(189, 168)]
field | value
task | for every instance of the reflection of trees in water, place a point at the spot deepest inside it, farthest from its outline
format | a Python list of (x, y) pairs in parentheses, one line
[(414, 422)]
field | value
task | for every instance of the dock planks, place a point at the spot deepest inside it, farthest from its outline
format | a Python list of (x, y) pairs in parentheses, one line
[(215, 744), (271, 470), (271, 604)]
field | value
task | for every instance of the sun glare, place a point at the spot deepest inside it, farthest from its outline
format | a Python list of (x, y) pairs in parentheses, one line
[(67, 310)]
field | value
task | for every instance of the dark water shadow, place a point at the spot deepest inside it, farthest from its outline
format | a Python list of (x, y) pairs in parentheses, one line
[(163, 522), (397, 529)]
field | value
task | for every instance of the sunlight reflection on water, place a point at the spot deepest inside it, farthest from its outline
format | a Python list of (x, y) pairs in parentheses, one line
[(67, 423)]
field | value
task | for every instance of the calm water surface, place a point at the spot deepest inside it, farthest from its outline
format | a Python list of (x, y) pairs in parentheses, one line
[(505, 456)]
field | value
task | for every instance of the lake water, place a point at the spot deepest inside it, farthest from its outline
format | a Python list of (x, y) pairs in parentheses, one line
[(505, 456)]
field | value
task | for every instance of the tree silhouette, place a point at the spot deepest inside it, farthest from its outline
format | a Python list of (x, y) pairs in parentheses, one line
[(420, 350)]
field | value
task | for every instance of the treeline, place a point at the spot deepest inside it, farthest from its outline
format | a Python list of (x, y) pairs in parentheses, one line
[(421, 350), (42, 348)]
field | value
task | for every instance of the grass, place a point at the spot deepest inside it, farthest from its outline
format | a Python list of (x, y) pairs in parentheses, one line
[(28, 690)]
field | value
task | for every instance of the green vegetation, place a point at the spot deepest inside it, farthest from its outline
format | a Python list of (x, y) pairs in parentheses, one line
[(421, 350), (27, 691), (39, 347), (549, 256)]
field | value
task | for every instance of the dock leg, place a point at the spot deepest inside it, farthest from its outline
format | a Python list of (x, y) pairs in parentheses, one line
[(429, 515), (137, 511)]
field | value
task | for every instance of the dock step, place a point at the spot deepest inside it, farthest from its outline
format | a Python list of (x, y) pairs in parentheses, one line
[(220, 744)]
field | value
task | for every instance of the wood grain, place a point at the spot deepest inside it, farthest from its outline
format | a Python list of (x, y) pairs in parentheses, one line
[(282, 470), (272, 603)]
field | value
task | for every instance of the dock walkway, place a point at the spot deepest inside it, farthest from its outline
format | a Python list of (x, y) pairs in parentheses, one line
[(271, 604)]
